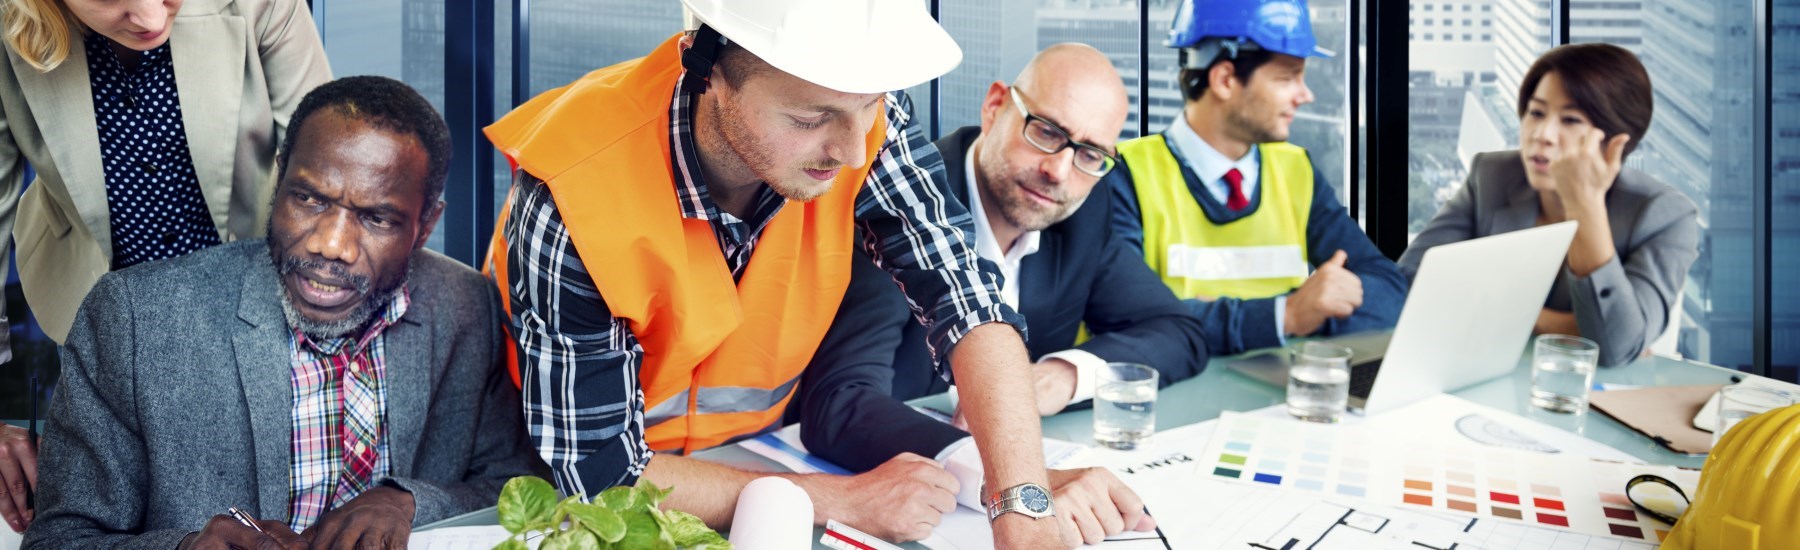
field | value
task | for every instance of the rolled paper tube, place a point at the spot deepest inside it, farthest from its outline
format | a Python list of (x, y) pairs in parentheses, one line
[(772, 513)]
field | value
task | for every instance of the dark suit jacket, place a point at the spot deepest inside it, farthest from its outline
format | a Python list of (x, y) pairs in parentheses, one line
[(1624, 305), (852, 416), (175, 400)]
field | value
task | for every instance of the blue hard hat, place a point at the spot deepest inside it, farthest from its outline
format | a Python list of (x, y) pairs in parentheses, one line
[(1280, 26)]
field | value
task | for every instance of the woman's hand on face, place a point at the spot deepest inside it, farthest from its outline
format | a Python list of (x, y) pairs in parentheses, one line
[(1585, 173)]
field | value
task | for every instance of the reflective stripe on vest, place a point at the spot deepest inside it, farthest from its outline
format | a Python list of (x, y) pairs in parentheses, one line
[(1257, 256), (720, 358)]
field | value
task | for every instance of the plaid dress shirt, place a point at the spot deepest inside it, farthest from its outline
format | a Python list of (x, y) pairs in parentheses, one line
[(318, 417), (584, 406)]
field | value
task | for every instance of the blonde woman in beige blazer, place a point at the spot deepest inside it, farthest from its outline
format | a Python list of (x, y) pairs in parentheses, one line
[(239, 68)]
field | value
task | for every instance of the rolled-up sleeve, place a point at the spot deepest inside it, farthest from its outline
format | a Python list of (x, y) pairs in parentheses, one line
[(584, 407), (916, 231)]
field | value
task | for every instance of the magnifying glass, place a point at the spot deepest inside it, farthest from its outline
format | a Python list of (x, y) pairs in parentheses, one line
[(1657, 497)]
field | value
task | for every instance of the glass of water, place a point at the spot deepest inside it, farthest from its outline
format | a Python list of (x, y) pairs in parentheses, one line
[(1737, 403), (1319, 382), (1125, 405), (1562, 372)]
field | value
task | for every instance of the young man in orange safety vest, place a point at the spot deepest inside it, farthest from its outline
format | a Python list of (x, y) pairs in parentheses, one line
[(679, 237)]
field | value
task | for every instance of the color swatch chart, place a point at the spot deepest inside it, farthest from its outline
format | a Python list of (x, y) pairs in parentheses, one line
[(1427, 469)]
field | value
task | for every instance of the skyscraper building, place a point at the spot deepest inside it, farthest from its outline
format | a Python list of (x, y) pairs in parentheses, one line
[(998, 37)]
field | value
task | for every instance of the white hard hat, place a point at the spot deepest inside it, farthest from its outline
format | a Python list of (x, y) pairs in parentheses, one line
[(852, 46)]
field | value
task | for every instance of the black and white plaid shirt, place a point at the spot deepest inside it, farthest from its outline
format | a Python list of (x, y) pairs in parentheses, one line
[(583, 402)]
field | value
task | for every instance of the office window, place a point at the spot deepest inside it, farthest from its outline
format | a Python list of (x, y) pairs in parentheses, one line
[(1784, 174), (569, 38), (998, 37), (360, 39), (1462, 102), (1487, 38), (1427, 7), (1468, 37), (1468, 22), (1700, 142), (1468, 7)]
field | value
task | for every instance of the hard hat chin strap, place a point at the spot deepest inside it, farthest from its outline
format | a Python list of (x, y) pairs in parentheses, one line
[(699, 59)]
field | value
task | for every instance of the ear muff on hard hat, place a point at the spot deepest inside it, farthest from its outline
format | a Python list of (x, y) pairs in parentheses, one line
[(1749, 492), (699, 59)]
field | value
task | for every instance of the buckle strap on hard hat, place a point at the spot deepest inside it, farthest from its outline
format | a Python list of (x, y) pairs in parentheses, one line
[(1202, 54), (699, 58)]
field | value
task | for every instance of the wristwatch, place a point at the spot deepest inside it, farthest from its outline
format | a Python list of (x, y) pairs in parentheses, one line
[(1029, 499)]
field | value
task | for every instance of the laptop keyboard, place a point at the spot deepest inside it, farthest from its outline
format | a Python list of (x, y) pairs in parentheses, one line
[(1362, 378)]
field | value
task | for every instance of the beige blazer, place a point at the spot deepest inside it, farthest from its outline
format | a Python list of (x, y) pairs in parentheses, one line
[(241, 67)]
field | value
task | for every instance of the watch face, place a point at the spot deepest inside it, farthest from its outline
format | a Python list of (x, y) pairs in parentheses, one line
[(1034, 499)]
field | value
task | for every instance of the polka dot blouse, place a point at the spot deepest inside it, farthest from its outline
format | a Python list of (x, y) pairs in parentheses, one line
[(152, 195)]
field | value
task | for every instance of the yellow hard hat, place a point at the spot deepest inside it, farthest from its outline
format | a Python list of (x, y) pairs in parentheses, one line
[(1749, 493)]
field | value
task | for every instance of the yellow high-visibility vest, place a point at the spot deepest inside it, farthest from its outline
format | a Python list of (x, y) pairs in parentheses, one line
[(1259, 255)]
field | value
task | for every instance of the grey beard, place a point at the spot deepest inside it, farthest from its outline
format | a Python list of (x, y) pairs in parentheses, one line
[(358, 318)]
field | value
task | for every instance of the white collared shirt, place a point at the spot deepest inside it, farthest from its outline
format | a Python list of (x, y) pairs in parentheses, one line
[(1211, 165), (961, 458)]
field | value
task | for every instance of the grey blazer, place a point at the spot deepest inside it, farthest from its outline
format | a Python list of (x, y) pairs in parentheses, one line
[(241, 67), (175, 400), (1625, 304)]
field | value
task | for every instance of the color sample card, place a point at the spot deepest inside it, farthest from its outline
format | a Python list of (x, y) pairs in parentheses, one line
[(1530, 489)]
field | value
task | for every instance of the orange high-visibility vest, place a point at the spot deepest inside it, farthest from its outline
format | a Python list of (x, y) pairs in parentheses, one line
[(720, 359)]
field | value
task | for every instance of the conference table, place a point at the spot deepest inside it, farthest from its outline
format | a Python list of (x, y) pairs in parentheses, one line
[(1219, 389)]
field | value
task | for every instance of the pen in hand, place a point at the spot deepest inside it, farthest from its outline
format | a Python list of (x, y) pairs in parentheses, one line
[(245, 519)]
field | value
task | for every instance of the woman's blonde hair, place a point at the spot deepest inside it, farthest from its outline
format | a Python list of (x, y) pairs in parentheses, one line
[(41, 31)]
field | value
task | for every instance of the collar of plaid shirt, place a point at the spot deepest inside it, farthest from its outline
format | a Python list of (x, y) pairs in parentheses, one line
[(335, 415), (691, 192)]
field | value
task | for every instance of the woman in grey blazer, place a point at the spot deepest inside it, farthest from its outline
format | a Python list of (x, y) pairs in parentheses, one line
[(151, 127), (1582, 110)]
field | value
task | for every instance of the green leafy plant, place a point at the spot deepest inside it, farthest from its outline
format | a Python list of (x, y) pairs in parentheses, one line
[(622, 517)]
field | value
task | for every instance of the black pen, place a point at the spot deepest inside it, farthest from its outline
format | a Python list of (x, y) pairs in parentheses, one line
[(244, 518), (1159, 533)]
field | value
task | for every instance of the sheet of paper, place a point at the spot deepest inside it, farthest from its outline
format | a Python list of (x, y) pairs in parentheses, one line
[(1426, 459), (1447, 417), (480, 537), (10, 540), (784, 447)]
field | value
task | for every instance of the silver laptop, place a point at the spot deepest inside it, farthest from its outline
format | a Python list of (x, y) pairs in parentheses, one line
[(1466, 320)]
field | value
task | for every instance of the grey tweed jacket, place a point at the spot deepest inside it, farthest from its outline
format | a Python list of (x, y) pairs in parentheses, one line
[(175, 400), (1624, 305)]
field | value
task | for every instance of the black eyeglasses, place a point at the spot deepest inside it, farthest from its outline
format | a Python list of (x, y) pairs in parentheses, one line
[(1050, 139)]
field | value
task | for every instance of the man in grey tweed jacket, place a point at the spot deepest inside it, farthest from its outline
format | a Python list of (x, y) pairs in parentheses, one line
[(180, 393)]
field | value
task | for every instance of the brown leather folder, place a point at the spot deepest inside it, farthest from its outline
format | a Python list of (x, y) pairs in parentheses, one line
[(1665, 414)]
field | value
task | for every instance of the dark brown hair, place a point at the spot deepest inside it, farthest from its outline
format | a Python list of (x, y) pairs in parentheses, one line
[(1606, 82)]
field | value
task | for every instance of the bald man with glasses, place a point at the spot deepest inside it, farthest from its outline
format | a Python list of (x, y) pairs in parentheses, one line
[(1026, 175)]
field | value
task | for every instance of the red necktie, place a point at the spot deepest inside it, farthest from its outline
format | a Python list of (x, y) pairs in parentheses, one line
[(1237, 202)]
